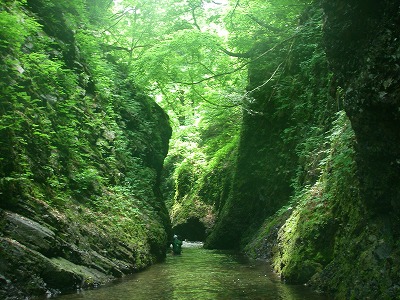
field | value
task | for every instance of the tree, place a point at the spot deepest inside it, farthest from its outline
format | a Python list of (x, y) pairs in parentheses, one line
[(194, 57)]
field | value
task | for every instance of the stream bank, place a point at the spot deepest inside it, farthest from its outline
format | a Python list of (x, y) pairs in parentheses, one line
[(201, 274)]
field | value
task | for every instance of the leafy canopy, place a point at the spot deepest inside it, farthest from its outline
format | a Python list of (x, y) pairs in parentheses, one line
[(194, 49), (193, 57)]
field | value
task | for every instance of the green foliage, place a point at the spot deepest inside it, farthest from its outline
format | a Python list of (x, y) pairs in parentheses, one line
[(10, 35), (255, 22), (75, 134), (181, 52), (286, 114), (200, 162), (303, 235)]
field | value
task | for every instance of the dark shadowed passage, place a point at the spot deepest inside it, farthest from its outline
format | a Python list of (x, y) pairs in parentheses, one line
[(201, 274), (193, 230)]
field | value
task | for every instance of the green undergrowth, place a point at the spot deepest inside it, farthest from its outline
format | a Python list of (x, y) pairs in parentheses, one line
[(201, 190), (76, 136), (198, 168), (326, 236), (299, 239)]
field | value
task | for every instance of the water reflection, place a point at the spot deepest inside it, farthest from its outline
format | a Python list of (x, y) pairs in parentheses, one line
[(201, 274)]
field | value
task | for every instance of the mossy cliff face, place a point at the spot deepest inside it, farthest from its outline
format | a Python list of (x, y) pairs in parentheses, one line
[(325, 134), (363, 49), (81, 151), (200, 192), (328, 237), (280, 127), (258, 155)]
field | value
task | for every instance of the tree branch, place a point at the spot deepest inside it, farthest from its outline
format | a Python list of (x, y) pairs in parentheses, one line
[(236, 54), (242, 66), (194, 18), (264, 83), (233, 12), (265, 25), (126, 49), (212, 103)]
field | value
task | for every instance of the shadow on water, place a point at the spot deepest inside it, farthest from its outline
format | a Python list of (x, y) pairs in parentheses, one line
[(201, 274)]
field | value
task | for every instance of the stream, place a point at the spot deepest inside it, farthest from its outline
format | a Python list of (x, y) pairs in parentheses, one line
[(200, 274)]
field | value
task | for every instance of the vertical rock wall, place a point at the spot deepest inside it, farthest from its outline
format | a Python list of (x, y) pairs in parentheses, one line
[(336, 224), (363, 48), (81, 152)]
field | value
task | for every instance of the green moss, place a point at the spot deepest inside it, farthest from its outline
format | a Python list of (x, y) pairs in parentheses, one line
[(302, 238), (81, 149), (64, 271), (201, 186), (327, 237), (282, 135)]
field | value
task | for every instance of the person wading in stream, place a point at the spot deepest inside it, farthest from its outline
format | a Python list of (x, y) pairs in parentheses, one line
[(176, 246)]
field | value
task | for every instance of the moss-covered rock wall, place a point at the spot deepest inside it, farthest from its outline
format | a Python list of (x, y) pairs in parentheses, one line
[(363, 50), (362, 47), (282, 124), (81, 151), (318, 156), (201, 191)]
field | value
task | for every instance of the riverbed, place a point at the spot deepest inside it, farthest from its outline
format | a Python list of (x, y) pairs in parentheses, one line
[(201, 274)]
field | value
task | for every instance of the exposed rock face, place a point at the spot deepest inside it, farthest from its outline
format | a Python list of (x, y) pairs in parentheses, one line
[(363, 48), (36, 260)]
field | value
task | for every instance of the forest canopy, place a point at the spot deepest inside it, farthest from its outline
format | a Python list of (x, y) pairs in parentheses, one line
[(193, 55)]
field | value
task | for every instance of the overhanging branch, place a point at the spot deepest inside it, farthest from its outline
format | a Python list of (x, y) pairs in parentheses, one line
[(265, 25), (241, 67), (236, 54)]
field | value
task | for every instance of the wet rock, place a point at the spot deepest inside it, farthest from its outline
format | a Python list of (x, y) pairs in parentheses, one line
[(63, 273), (105, 265), (34, 274), (21, 265), (29, 233)]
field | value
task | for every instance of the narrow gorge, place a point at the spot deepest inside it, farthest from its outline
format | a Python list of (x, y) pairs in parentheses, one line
[(270, 128)]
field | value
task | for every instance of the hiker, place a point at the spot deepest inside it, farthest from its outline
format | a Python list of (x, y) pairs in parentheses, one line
[(176, 246)]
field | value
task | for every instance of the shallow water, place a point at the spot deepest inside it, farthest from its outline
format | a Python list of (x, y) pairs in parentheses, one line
[(200, 274)]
